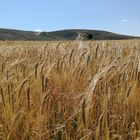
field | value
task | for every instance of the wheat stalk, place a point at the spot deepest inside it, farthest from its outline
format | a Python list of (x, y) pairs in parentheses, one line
[(21, 87), (2, 96), (28, 99)]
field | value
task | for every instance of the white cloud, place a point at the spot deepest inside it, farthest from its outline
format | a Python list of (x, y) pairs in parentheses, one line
[(38, 30), (124, 20)]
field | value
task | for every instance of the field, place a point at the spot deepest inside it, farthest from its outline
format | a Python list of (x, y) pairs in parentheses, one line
[(70, 90)]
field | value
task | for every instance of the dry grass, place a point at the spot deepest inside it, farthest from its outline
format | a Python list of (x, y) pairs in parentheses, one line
[(70, 90)]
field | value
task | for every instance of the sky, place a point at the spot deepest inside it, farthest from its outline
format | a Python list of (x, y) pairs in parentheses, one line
[(119, 16)]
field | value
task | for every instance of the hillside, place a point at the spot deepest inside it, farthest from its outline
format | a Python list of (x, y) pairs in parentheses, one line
[(71, 34)]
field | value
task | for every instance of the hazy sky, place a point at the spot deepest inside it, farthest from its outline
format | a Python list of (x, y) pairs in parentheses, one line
[(120, 16)]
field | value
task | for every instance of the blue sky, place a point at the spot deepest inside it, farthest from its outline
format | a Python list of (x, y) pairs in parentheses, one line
[(120, 16)]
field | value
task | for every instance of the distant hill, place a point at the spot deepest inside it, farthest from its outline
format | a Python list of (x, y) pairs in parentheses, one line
[(71, 34)]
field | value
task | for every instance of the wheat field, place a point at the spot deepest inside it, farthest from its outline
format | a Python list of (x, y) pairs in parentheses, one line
[(70, 90)]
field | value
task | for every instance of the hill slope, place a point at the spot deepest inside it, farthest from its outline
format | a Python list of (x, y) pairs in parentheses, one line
[(71, 34)]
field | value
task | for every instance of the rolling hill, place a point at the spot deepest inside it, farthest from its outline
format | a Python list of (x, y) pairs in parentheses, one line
[(71, 34)]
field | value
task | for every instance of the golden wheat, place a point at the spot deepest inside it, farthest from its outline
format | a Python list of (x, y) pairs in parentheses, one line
[(70, 90)]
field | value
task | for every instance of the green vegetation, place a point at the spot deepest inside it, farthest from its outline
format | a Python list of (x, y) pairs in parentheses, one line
[(8, 34)]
